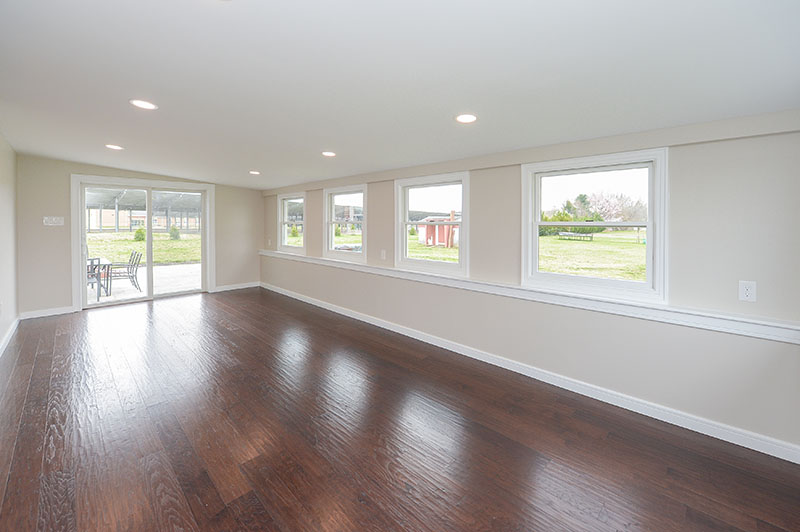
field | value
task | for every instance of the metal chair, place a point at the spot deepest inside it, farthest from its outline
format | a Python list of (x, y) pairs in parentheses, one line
[(128, 270), (93, 274)]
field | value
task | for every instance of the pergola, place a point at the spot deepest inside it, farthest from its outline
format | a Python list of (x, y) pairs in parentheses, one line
[(177, 207)]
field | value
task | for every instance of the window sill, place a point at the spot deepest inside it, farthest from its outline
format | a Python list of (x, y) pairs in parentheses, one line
[(429, 267), (788, 332), (301, 251), (624, 292), (346, 257)]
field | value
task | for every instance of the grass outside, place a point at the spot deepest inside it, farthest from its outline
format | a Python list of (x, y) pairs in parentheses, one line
[(347, 239), (610, 255), (353, 239), (418, 250), (117, 247), (294, 240)]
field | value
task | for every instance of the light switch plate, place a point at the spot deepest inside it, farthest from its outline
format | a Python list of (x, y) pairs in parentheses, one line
[(53, 220)]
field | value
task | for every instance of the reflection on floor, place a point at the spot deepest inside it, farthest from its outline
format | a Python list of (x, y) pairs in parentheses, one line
[(248, 410), (167, 279)]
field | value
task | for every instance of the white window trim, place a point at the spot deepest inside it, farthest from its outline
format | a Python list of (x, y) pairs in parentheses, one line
[(299, 250), (401, 261), (655, 290), (350, 256)]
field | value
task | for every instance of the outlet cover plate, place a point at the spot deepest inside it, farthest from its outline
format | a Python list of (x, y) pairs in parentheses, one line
[(747, 291)]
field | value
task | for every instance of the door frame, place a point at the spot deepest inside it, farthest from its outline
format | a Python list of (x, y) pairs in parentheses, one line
[(77, 183)]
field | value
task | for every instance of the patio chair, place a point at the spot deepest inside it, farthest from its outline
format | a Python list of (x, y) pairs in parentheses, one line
[(92, 271), (97, 276), (128, 270)]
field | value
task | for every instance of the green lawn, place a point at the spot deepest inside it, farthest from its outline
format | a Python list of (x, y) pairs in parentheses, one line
[(346, 238), (353, 239), (418, 250), (117, 247), (611, 255), (415, 249)]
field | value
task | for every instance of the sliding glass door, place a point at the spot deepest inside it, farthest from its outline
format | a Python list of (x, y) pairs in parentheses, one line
[(115, 244), (138, 243), (177, 241)]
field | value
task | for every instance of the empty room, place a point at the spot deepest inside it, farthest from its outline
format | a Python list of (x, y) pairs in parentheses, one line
[(400, 266)]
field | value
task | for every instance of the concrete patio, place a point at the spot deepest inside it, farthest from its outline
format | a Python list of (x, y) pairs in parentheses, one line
[(167, 279)]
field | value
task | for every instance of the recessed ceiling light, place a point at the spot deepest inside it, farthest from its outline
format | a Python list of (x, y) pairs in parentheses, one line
[(114, 147), (466, 118), (255, 172), (142, 104), (329, 154)]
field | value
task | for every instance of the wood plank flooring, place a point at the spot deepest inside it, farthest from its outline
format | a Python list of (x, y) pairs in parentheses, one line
[(248, 410)]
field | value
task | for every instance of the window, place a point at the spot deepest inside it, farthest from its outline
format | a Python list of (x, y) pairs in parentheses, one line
[(432, 223), (595, 226), (291, 216), (346, 223)]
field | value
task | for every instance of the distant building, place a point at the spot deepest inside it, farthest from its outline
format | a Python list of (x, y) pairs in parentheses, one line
[(438, 235)]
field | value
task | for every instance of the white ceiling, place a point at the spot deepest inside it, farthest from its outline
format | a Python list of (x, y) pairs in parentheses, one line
[(268, 85)]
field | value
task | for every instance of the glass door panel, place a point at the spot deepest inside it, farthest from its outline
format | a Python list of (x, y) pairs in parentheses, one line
[(177, 241), (114, 244)]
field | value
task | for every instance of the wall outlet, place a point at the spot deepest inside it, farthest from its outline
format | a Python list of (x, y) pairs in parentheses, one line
[(383, 254), (747, 291), (53, 220), (269, 241)]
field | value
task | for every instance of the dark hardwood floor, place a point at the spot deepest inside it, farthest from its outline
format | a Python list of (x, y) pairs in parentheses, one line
[(248, 410)]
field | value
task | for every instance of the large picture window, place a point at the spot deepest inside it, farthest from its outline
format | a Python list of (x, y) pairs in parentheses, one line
[(291, 223), (346, 223), (595, 225), (432, 223)]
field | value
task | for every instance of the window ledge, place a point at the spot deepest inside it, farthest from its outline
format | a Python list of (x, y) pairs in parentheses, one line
[(788, 332), (301, 251), (598, 291), (345, 256)]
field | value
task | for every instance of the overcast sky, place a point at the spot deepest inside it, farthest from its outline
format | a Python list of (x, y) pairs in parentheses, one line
[(352, 200), (557, 189), (441, 198)]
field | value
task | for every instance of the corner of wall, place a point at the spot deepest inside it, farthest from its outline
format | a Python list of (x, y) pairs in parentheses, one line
[(9, 300)]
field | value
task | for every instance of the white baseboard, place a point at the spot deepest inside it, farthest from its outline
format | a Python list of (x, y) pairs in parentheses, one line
[(751, 440), (225, 288), (46, 312), (7, 336)]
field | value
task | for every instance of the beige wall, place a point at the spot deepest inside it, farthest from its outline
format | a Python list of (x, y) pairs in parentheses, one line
[(380, 233), (734, 216), (312, 229), (731, 217), (489, 197), (239, 234), (271, 222), (8, 238), (44, 253)]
